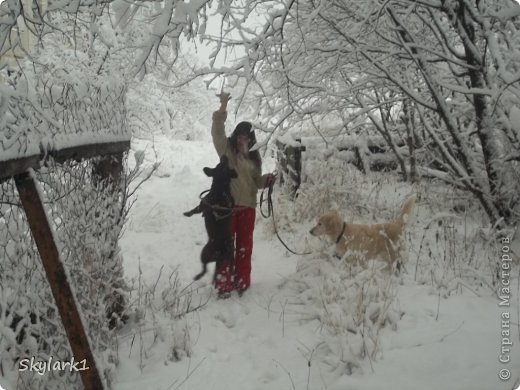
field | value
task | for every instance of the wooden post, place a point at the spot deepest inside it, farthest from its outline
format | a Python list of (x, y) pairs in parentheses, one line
[(290, 163), (297, 174), (359, 162), (57, 277)]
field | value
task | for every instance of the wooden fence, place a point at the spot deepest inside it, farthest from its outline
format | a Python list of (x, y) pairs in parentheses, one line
[(107, 168), (371, 155)]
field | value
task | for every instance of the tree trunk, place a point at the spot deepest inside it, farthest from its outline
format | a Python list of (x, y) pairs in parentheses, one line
[(408, 120), (492, 139)]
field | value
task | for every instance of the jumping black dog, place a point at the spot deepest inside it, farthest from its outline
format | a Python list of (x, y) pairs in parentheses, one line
[(216, 208)]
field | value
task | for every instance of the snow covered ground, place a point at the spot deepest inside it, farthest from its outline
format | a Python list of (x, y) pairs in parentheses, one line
[(271, 337)]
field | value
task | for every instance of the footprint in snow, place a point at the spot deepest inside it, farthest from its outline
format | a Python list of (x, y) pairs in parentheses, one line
[(227, 316)]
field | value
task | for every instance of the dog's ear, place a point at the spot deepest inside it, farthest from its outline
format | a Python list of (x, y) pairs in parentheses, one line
[(208, 171), (328, 218), (332, 214)]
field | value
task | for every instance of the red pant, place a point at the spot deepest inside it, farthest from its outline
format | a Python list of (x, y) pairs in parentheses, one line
[(236, 273)]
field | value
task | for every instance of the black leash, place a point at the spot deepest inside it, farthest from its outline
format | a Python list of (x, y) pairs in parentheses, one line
[(216, 208), (270, 213)]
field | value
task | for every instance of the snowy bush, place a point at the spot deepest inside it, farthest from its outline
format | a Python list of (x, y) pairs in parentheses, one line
[(452, 250), (159, 311), (351, 304)]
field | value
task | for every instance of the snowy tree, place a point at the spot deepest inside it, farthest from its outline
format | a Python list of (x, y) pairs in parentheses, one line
[(153, 30), (454, 63)]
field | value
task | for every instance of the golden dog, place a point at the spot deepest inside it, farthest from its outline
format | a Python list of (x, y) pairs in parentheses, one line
[(363, 242)]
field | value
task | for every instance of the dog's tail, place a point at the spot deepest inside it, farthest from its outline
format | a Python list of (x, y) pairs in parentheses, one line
[(204, 270), (406, 210), (196, 210)]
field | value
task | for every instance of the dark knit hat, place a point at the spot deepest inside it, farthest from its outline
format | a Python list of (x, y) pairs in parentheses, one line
[(245, 128)]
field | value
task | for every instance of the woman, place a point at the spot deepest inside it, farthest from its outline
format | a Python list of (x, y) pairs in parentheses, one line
[(236, 273)]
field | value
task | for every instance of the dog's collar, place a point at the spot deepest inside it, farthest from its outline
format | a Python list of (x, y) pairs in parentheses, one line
[(342, 231)]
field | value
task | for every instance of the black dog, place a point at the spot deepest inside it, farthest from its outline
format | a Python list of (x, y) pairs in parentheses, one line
[(216, 208)]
